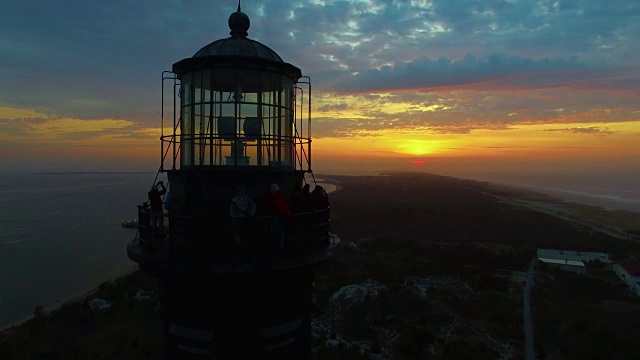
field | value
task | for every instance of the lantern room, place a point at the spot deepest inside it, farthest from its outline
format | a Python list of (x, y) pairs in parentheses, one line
[(240, 106)]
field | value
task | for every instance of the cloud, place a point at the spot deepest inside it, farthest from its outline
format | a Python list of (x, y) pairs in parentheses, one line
[(28, 125), (334, 107), (15, 113), (460, 111), (474, 62), (132, 43), (426, 73), (575, 147), (595, 130)]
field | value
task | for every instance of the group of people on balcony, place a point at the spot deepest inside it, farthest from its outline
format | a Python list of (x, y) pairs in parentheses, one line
[(303, 200), (242, 209)]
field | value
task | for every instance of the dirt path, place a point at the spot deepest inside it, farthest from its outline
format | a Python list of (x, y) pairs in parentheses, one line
[(526, 313)]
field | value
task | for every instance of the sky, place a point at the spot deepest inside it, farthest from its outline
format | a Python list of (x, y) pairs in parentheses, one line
[(521, 89)]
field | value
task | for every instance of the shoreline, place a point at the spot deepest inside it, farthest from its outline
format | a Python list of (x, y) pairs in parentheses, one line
[(604, 200), (119, 272), (620, 224)]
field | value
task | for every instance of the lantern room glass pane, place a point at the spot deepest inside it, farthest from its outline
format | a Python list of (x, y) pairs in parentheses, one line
[(238, 118), (185, 121)]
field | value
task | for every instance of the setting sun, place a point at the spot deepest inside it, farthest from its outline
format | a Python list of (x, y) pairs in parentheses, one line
[(417, 147)]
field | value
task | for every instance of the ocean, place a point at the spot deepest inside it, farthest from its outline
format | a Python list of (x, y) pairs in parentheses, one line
[(609, 191), (61, 233), (607, 198)]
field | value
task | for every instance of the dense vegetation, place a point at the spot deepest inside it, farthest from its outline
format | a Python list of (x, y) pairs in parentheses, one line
[(588, 316), (128, 329)]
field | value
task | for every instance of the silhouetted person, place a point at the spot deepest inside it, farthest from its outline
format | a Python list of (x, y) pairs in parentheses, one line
[(321, 203), (279, 212), (241, 210), (307, 200), (296, 199), (168, 201), (155, 201), (320, 198)]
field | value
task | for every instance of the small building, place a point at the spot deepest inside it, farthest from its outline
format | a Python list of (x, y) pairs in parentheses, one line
[(565, 260), (567, 265), (584, 256), (629, 271)]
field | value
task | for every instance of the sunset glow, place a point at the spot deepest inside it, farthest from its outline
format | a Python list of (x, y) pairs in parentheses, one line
[(428, 86)]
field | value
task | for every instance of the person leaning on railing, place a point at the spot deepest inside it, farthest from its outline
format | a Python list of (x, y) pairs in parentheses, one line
[(320, 198), (279, 215), (241, 210), (321, 217), (307, 199), (155, 200), (295, 200)]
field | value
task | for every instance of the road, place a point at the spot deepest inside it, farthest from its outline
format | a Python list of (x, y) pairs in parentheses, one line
[(526, 313)]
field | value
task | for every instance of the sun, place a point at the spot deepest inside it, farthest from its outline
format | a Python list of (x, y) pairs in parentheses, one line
[(420, 151), (417, 147)]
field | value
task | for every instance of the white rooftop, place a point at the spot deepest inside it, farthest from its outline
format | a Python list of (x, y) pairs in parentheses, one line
[(562, 262), (567, 255)]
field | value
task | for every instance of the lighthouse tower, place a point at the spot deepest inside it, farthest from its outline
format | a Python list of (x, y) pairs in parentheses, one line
[(235, 281)]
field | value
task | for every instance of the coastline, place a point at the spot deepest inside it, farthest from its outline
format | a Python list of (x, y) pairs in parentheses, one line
[(606, 201), (620, 224), (119, 272)]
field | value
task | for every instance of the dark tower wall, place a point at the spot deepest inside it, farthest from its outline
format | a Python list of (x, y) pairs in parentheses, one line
[(238, 316)]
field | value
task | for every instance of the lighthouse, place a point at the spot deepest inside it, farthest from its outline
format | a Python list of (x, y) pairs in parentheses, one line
[(236, 244)]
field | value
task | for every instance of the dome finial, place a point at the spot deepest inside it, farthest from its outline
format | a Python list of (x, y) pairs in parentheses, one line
[(239, 23)]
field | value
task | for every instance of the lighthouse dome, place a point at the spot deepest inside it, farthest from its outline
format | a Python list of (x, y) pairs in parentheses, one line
[(238, 44)]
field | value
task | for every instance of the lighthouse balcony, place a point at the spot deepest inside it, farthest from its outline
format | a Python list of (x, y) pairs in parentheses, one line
[(166, 242)]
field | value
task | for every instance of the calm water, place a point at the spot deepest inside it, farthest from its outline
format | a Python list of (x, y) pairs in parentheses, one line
[(609, 191), (61, 233), (610, 199)]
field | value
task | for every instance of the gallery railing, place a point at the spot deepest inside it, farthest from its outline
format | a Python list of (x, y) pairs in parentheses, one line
[(218, 238)]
